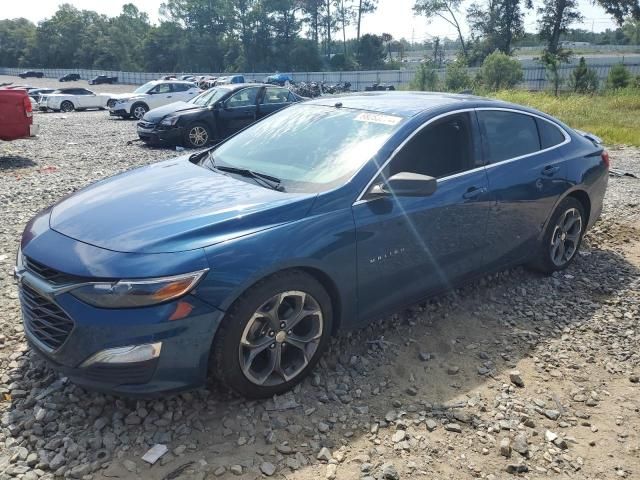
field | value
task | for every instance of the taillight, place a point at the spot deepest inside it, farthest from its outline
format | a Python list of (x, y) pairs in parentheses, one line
[(28, 109), (605, 158)]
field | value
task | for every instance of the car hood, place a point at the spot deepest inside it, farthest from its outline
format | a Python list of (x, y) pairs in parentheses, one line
[(172, 206), (159, 113), (122, 96)]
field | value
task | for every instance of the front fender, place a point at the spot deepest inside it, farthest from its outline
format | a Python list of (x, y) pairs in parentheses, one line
[(324, 243)]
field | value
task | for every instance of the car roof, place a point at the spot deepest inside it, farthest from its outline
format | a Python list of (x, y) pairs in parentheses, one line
[(408, 104), (158, 82)]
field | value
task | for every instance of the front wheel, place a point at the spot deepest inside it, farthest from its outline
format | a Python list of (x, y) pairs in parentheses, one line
[(66, 106), (197, 135), (562, 237), (138, 110), (273, 335)]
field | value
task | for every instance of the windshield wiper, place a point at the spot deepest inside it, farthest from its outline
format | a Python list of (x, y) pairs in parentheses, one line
[(263, 178), (196, 157)]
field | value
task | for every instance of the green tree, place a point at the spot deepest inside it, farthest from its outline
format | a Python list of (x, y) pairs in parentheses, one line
[(364, 7), (457, 77), (619, 77), (371, 52), (500, 71), (426, 78), (555, 18), (621, 9), (553, 63), (631, 29), (17, 38), (583, 79), (447, 10)]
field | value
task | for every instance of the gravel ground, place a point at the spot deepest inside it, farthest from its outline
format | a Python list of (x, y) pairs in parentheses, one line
[(516, 374)]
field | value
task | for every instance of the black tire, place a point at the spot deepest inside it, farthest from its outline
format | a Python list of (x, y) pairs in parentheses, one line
[(138, 110), (67, 106), (226, 351), (548, 258), (111, 102), (197, 135)]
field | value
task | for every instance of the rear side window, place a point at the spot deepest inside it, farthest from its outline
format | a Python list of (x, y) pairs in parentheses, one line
[(550, 135), (507, 134), (180, 87)]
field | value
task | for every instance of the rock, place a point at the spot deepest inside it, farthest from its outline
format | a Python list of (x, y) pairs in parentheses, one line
[(424, 356), (517, 468), (323, 427), (634, 378), (399, 436), (431, 424), (413, 391), (552, 414), (236, 469), (453, 427), (505, 447), (516, 378), (332, 469), (520, 444), (80, 471), (549, 436), (389, 472), (130, 466), (268, 468), (324, 454), (218, 472), (58, 461), (453, 370)]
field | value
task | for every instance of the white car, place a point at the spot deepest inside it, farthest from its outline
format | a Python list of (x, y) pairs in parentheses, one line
[(69, 99), (151, 95)]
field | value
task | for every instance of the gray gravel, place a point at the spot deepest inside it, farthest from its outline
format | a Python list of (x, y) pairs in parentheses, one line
[(515, 373)]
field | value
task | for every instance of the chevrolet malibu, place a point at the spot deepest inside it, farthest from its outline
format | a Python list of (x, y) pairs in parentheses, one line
[(243, 260)]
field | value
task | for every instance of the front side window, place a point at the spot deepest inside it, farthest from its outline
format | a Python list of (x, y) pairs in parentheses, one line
[(311, 148), (244, 98), (144, 88), (162, 88), (507, 135), (441, 149)]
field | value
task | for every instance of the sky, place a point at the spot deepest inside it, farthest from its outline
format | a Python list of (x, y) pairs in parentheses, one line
[(393, 16)]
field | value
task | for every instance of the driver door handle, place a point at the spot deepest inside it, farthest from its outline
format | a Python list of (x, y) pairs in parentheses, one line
[(473, 192)]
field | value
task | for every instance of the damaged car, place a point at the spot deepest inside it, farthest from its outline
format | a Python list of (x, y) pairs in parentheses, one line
[(213, 115), (151, 95)]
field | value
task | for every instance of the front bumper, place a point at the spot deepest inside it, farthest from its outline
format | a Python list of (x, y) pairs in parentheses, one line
[(33, 130), (156, 136), (119, 112)]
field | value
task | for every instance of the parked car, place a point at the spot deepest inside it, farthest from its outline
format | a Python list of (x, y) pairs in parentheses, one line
[(151, 95), (100, 79), (69, 99), (213, 115), (244, 259), (279, 79), (230, 79), (16, 115), (31, 73), (69, 77), (190, 78)]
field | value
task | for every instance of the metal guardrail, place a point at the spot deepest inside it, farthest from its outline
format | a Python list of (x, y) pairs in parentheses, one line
[(535, 78)]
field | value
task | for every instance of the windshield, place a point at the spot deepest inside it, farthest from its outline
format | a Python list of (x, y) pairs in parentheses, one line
[(144, 88), (309, 147), (209, 97)]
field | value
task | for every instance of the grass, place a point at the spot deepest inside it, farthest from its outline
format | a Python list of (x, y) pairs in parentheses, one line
[(613, 116)]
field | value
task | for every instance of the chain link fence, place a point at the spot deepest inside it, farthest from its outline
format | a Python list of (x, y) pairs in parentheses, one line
[(535, 78)]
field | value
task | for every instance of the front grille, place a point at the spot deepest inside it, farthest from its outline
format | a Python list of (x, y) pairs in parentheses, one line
[(146, 125), (49, 274), (44, 319)]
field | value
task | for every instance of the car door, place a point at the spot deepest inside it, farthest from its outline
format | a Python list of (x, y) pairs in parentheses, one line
[(526, 174), (239, 110), (272, 100), (183, 92), (90, 99), (160, 95), (79, 97), (409, 246)]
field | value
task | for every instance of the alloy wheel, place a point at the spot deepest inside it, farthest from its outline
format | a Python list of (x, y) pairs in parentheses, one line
[(139, 112), (198, 136), (281, 338), (566, 237), (66, 106)]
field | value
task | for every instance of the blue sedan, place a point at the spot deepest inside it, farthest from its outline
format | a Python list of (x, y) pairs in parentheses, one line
[(242, 260)]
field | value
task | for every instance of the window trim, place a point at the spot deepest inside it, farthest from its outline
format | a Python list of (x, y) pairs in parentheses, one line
[(567, 139), (264, 95)]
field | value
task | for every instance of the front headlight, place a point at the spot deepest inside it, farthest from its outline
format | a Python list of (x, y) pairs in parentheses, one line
[(137, 293), (170, 121)]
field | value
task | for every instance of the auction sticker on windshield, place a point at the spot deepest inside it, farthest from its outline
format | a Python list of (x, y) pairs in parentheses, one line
[(378, 118)]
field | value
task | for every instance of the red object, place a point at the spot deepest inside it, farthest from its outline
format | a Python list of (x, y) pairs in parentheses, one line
[(16, 115), (605, 158)]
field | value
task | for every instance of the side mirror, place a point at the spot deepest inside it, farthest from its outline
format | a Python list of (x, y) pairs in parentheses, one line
[(407, 184)]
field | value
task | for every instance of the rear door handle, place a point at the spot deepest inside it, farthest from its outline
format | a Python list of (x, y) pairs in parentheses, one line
[(473, 192), (550, 170)]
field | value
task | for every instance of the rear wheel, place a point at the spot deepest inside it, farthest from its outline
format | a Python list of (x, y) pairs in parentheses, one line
[(197, 135), (562, 237), (67, 106), (273, 335)]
